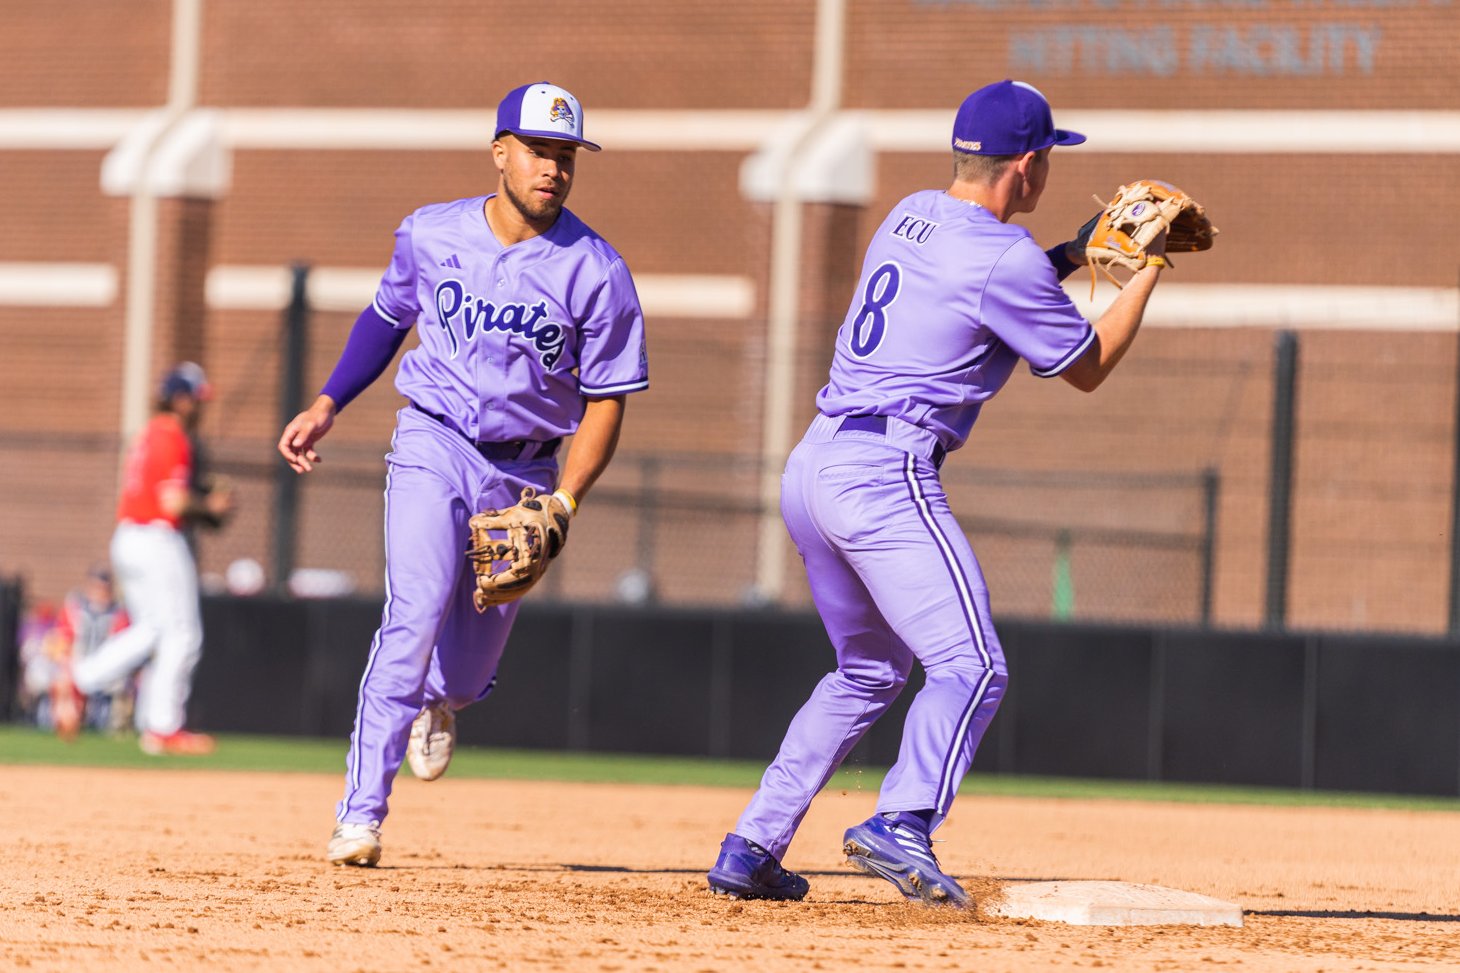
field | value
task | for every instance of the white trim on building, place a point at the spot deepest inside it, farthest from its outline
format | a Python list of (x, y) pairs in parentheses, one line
[(1302, 132), (732, 297)]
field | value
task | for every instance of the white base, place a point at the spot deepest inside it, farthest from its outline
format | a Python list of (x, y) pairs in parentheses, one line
[(1114, 904)]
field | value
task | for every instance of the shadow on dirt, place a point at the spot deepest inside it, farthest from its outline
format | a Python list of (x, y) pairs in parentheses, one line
[(1352, 914)]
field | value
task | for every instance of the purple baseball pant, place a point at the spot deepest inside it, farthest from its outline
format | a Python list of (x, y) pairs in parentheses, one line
[(432, 643), (894, 580)]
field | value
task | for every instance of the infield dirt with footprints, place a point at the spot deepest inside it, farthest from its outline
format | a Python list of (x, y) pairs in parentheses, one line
[(191, 870)]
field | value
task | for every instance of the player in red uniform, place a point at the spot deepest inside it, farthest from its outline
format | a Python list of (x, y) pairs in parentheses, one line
[(158, 576)]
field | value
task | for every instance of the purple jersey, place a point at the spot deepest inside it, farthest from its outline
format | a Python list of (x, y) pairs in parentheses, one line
[(949, 300), (511, 342)]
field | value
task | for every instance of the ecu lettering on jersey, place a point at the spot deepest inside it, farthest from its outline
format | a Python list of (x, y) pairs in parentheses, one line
[(949, 300), (457, 309), (914, 229)]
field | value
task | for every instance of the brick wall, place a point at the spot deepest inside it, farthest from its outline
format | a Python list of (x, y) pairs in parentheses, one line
[(1267, 54), (1373, 484), (72, 53), (464, 54)]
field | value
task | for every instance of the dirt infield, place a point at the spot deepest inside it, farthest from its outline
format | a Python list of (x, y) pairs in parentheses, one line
[(125, 870)]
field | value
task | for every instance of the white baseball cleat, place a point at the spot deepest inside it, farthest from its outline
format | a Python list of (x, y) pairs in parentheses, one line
[(433, 738), (355, 844)]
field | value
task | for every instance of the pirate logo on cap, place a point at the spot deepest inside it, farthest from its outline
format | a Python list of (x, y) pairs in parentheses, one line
[(561, 111)]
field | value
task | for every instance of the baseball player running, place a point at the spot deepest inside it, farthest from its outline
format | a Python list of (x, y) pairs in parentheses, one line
[(159, 579), (530, 329), (951, 296)]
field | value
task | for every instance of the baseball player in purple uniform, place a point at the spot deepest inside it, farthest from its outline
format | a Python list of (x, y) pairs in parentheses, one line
[(530, 329), (951, 296)]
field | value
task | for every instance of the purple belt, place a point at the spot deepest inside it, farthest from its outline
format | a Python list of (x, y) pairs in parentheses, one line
[(878, 425), (523, 449)]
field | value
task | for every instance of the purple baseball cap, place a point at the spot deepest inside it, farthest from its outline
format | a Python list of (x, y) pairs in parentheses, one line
[(1007, 118), (545, 110)]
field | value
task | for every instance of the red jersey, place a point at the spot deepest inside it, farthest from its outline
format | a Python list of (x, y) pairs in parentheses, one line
[(160, 454)]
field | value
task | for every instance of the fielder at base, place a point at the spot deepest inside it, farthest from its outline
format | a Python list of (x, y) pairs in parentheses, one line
[(530, 330), (951, 296)]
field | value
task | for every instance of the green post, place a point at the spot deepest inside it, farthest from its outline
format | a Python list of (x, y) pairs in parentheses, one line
[(1062, 606)]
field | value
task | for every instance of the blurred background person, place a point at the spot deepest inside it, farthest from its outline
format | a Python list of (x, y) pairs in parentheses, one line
[(90, 614), (37, 663), (158, 576)]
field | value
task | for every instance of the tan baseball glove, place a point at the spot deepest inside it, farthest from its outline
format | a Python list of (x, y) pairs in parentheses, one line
[(1137, 215), (511, 549)]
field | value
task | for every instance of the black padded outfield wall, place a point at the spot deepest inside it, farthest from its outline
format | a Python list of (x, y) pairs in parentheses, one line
[(1286, 710), (12, 598)]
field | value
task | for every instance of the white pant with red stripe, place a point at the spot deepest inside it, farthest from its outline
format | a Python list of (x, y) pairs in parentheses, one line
[(159, 582)]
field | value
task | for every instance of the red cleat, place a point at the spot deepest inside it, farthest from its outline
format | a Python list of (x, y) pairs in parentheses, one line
[(179, 742)]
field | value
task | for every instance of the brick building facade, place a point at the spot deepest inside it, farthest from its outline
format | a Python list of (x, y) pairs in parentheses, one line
[(1322, 135)]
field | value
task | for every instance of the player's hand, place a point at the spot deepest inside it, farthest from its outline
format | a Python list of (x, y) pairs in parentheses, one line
[(296, 445), (1157, 247), (218, 502)]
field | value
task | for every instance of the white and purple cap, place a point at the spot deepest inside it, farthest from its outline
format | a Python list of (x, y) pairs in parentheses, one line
[(544, 110), (1007, 118)]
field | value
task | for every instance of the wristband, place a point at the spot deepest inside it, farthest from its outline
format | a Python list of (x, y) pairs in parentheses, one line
[(1157, 261), (567, 500)]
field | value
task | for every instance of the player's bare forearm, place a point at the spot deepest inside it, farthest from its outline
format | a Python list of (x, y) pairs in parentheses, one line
[(1115, 331), (296, 444), (593, 445)]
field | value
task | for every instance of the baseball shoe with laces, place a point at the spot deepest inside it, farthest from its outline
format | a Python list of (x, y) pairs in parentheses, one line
[(745, 870), (902, 854), (355, 844), (433, 737)]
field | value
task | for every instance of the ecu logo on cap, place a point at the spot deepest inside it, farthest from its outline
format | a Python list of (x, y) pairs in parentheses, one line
[(967, 146), (561, 111)]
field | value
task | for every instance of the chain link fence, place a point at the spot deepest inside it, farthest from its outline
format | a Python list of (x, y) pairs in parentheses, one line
[(683, 529), (1148, 502)]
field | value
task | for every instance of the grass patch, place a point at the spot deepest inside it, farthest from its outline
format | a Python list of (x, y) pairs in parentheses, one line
[(1074, 788), (25, 745)]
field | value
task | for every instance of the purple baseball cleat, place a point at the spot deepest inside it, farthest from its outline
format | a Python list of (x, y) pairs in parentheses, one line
[(745, 870), (902, 854)]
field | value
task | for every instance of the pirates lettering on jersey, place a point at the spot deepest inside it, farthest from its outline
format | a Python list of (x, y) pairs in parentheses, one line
[(455, 307), (914, 228)]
